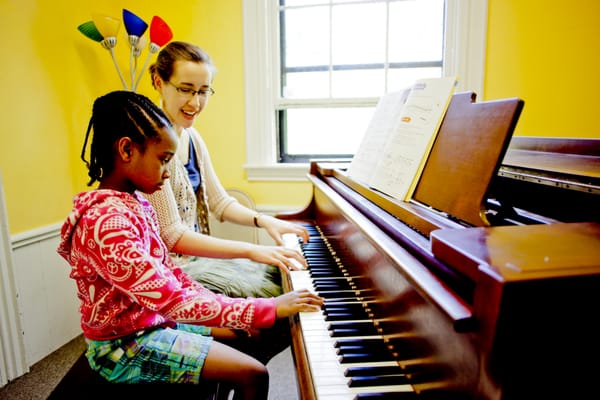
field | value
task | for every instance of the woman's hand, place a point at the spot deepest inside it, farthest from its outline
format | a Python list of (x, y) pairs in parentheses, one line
[(276, 227), (297, 301), (284, 258)]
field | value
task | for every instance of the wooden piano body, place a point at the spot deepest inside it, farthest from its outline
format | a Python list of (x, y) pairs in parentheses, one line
[(475, 297)]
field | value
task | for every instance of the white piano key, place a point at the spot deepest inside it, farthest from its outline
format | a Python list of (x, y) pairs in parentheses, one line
[(291, 241), (343, 390), (327, 373)]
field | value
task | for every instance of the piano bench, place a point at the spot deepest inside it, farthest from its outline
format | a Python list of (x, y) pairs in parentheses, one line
[(81, 382)]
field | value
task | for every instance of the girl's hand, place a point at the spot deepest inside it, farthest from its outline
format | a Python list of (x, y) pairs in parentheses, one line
[(297, 301)]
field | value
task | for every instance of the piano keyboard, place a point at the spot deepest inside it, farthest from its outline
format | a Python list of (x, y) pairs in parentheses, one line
[(348, 358)]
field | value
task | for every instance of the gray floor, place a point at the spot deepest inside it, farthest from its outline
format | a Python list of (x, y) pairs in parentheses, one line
[(44, 375)]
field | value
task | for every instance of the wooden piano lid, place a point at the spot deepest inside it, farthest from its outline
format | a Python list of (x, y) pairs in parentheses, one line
[(466, 155), (521, 252)]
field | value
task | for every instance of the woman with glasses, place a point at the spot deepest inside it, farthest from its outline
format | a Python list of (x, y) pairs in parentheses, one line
[(183, 74)]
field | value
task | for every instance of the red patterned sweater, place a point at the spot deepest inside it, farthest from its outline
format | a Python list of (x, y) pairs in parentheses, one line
[(125, 279)]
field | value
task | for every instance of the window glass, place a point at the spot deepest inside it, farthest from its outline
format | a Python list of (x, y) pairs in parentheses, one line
[(300, 85), (332, 130), (303, 42), (358, 33), (295, 3), (412, 20), (347, 54)]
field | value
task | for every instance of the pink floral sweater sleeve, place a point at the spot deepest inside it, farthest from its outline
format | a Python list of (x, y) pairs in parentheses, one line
[(125, 279)]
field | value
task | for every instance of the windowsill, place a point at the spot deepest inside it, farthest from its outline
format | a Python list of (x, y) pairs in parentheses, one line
[(277, 172)]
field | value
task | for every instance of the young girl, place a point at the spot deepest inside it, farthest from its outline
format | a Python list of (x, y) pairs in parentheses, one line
[(144, 320)]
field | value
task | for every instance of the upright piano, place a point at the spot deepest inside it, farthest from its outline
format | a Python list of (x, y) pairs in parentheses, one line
[(486, 285)]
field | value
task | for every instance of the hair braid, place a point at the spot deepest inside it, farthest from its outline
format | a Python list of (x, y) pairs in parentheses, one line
[(115, 115)]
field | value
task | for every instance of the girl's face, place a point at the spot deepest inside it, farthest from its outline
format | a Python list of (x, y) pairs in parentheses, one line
[(186, 93), (147, 169)]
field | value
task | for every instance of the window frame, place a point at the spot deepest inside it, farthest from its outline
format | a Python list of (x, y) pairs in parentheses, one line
[(464, 56)]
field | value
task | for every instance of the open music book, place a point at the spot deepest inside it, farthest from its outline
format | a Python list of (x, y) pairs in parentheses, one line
[(400, 135)]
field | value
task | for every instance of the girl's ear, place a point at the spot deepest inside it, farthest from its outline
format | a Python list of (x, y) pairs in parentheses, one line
[(124, 148)]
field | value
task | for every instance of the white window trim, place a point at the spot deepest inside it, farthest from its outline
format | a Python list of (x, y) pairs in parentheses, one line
[(466, 28)]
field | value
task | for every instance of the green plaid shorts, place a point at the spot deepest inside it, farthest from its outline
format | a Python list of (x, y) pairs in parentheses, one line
[(161, 354)]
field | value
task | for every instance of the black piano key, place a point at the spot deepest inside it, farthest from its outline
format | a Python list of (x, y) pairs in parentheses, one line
[(373, 371), (317, 257), (366, 345), (344, 298), (318, 253), (332, 288), (321, 271), (332, 279), (344, 307), (320, 262), (385, 380), (336, 284), (320, 266), (348, 332), (313, 273), (367, 325), (352, 291), (316, 242), (340, 285), (351, 358), (329, 286), (371, 349), (338, 294), (343, 316), (353, 341), (352, 329)]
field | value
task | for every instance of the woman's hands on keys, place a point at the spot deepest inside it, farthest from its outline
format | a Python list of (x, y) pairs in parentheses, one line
[(291, 241), (301, 300), (284, 258), (276, 228), (287, 257)]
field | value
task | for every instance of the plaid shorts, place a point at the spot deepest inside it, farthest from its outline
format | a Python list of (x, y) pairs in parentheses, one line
[(161, 354)]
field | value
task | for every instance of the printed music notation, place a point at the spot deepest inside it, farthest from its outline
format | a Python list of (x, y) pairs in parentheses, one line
[(400, 135), (386, 114)]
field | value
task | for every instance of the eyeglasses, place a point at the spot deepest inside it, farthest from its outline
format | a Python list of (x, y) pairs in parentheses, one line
[(191, 93)]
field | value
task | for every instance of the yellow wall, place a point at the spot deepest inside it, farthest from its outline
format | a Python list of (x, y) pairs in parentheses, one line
[(546, 52), (542, 51)]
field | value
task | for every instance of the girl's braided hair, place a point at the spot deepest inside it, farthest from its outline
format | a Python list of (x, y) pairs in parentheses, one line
[(115, 115)]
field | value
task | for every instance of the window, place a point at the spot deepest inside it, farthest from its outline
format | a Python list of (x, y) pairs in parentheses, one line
[(316, 68)]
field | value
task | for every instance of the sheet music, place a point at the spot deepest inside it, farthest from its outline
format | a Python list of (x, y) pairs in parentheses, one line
[(386, 115), (401, 160)]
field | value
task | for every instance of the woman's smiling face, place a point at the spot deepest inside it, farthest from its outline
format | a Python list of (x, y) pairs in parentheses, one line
[(186, 92)]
